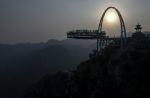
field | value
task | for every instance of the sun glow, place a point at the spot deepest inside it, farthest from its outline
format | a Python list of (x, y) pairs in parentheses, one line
[(111, 17)]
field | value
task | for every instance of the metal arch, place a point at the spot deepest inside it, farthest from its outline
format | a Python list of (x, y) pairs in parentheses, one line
[(122, 25)]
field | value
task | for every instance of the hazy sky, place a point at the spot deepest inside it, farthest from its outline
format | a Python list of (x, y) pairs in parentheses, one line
[(40, 20)]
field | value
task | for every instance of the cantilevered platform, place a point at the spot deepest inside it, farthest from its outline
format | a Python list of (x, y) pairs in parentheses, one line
[(89, 34), (85, 34)]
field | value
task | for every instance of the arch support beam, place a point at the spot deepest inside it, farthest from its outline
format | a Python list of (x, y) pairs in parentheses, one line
[(122, 26)]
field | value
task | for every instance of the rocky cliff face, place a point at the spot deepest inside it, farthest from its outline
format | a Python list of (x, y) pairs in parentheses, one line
[(114, 73)]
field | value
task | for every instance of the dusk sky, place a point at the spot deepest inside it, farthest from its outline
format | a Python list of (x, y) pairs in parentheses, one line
[(41, 20)]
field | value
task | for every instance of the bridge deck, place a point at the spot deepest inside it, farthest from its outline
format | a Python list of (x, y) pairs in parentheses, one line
[(89, 35)]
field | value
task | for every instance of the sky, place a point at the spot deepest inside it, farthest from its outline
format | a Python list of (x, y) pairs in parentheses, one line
[(41, 20)]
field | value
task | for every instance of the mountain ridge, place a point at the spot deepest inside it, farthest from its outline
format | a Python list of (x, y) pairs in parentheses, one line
[(114, 73)]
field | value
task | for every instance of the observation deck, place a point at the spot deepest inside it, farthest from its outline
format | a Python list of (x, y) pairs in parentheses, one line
[(85, 34), (89, 34)]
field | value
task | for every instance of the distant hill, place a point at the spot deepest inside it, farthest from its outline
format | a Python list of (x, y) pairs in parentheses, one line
[(23, 64)]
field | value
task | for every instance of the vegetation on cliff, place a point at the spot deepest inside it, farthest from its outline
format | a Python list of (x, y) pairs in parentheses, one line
[(114, 73)]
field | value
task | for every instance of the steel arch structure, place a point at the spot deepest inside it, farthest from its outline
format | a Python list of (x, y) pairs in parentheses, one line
[(122, 26)]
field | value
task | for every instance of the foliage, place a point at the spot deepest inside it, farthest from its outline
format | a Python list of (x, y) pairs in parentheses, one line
[(114, 73)]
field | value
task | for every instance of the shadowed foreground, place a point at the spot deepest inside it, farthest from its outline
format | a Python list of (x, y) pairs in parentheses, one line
[(114, 73)]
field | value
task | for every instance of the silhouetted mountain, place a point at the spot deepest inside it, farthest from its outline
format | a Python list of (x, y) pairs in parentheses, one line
[(52, 58), (115, 73), (53, 42), (129, 34), (23, 64)]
